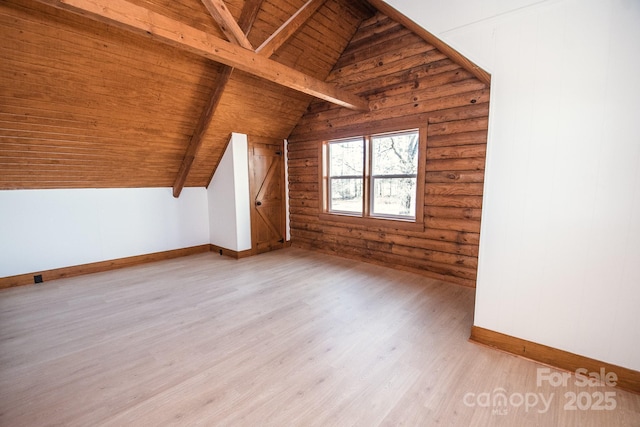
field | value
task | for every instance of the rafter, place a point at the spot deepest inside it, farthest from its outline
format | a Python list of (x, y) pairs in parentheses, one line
[(289, 28), (248, 16), (126, 15), (227, 23), (195, 141)]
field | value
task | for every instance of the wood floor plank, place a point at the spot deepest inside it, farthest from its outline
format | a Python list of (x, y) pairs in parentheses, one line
[(291, 337)]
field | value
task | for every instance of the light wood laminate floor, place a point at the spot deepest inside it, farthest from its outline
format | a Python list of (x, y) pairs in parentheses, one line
[(290, 337)]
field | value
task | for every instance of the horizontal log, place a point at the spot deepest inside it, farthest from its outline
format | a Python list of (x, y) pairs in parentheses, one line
[(457, 213), (383, 58), (457, 152), (384, 45), (441, 246), (467, 225), (375, 28), (454, 176), (303, 154), (455, 164), (304, 203), (454, 201), (304, 187), (428, 239), (466, 138), (364, 40), (427, 74), (314, 223), (460, 113), (458, 126), (386, 69), (303, 195), (299, 171), (371, 23), (299, 210), (303, 146), (435, 256), (454, 189), (303, 178), (304, 164), (452, 236)]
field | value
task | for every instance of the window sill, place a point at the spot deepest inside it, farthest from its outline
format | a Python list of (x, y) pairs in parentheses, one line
[(392, 224)]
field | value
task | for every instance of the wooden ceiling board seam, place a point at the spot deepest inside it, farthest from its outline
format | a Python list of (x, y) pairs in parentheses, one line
[(10, 102), (115, 123)]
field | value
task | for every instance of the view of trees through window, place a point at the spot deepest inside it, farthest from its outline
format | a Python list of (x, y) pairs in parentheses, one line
[(392, 179), (346, 167), (394, 174)]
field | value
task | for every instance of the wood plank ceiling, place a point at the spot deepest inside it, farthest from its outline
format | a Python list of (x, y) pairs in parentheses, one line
[(86, 103)]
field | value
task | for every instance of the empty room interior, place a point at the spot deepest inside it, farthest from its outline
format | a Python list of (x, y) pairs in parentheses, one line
[(319, 213)]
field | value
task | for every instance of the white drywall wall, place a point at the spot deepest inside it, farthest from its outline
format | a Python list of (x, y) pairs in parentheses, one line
[(560, 244), (228, 194), (47, 229)]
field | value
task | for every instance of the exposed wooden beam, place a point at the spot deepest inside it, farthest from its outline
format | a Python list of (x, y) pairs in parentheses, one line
[(453, 54), (123, 14), (227, 23), (289, 28), (248, 16), (201, 128)]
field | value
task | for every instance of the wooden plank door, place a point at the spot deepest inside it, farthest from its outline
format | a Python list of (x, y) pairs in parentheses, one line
[(267, 187)]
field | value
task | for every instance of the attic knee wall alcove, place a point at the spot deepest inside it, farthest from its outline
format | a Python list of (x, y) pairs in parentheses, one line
[(76, 231)]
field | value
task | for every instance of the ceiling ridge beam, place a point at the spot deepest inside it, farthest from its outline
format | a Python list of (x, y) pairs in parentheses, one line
[(128, 16), (227, 23), (289, 28), (430, 38), (248, 16)]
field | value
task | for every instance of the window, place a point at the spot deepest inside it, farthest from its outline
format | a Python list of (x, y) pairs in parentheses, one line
[(374, 177), (346, 170)]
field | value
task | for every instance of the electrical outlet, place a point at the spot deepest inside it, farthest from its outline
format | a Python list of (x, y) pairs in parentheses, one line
[(37, 278)]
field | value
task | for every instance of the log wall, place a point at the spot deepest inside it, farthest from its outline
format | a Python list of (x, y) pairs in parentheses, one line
[(410, 84)]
